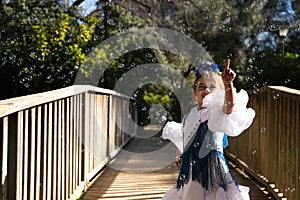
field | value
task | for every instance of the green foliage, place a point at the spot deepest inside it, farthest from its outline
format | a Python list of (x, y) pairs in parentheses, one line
[(158, 95), (274, 69), (66, 36), (42, 46), (155, 102)]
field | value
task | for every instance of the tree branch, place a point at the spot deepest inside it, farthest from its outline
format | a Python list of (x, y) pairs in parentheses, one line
[(77, 3), (148, 7)]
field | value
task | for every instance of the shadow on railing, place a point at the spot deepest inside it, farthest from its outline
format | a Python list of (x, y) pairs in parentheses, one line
[(269, 150), (54, 143)]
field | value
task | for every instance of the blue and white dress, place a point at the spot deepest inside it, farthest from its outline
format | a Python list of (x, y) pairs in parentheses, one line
[(204, 174)]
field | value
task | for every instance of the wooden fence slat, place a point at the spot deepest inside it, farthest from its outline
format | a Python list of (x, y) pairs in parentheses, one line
[(55, 151), (112, 121), (96, 133), (297, 153), (50, 147), (64, 150), (26, 164), (4, 157), (20, 155), (38, 153), (101, 129), (92, 133), (45, 145), (68, 138), (71, 144), (59, 151), (77, 151), (105, 124), (1, 158), (79, 142), (75, 146), (85, 134), (32, 156), (76, 171), (78, 138), (12, 156)]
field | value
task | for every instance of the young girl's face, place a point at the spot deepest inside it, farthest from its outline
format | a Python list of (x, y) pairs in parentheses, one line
[(204, 87)]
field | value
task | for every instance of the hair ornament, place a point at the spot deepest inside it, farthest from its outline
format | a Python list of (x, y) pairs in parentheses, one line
[(207, 66)]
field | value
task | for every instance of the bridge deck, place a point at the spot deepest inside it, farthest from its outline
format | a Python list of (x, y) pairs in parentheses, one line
[(119, 182)]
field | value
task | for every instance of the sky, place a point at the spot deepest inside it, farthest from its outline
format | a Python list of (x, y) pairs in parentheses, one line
[(88, 6)]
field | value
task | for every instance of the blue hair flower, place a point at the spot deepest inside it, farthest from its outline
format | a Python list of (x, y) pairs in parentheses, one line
[(207, 66)]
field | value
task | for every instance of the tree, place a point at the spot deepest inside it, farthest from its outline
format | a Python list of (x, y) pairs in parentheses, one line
[(230, 28), (42, 46)]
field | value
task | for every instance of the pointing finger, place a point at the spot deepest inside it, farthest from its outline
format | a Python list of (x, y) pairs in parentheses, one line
[(227, 65)]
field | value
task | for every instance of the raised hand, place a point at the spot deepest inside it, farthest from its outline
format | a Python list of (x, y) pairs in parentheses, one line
[(228, 74)]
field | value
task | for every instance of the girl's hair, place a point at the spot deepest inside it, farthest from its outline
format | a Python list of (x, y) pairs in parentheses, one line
[(208, 75), (209, 70)]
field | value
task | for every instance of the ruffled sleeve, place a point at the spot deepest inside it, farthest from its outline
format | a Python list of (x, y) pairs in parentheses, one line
[(173, 132), (232, 124)]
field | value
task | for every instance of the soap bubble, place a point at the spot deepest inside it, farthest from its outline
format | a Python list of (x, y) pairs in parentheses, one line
[(193, 163), (276, 95), (262, 129), (287, 81), (182, 177)]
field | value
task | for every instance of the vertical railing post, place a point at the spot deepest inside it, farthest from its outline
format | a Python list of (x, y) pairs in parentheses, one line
[(45, 150), (32, 154), (38, 152), (55, 153), (20, 155), (68, 145), (109, 102), (2, 179), (85, 135), (80, 136), (12, 157), (59, 150), (50, 175), (4, 156), (64, 149)]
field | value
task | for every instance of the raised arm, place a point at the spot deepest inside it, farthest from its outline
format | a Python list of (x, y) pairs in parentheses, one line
[(228, 76)]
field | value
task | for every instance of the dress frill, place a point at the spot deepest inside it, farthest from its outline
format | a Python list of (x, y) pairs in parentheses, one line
[(217, 121), (194, 191), (232, 124)]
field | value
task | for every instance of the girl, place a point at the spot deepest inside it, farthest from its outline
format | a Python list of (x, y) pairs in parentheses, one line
[(202, 136)]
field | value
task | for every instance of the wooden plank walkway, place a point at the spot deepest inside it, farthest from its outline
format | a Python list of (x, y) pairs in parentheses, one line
[(114, 184)]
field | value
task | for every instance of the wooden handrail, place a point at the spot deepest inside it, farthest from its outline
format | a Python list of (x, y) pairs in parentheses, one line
[(16, 104)]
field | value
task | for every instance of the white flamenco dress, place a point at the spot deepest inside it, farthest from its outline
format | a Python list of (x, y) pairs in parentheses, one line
[(202, 136)]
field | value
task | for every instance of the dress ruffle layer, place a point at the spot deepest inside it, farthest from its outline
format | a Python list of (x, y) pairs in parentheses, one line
[(232, 124), (194, 191), (173, 132)]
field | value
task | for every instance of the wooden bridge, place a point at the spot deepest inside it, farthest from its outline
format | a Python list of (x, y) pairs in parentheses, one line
[(73, 143)]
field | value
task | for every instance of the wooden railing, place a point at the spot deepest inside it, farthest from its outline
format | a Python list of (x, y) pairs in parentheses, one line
[(270, 148), (53, 143)]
